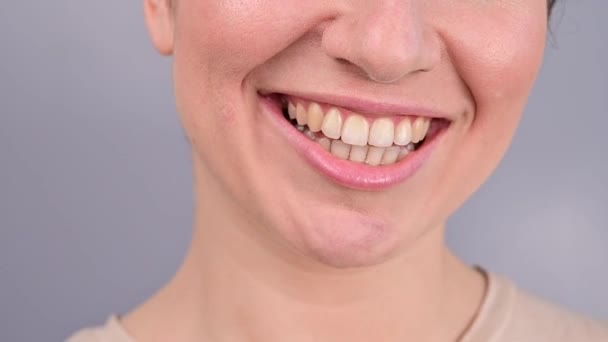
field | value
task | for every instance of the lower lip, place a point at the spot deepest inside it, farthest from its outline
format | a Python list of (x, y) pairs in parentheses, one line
[(346, 173)]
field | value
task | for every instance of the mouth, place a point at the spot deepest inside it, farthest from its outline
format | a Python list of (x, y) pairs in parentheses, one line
[(357, 149)]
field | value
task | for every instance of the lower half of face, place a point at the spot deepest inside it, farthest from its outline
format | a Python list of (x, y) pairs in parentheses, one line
[(349, 129)]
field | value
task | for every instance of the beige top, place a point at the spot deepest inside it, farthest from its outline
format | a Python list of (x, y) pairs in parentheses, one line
[(507, 315)]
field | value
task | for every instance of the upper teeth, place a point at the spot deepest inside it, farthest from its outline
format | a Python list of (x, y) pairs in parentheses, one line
[(355, 129)]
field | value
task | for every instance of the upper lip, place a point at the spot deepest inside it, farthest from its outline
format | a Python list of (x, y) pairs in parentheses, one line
[(363, 105)]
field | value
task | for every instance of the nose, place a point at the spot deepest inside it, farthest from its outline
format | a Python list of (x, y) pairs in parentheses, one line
[(386, 39)]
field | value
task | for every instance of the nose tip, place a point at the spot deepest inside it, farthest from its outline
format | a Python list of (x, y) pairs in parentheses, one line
[(386, 44), (388, 62)]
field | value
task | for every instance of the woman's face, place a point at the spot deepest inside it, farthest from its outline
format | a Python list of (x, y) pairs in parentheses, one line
[(370, 77)]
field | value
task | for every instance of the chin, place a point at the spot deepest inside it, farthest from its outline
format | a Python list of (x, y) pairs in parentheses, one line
[(343, 238)]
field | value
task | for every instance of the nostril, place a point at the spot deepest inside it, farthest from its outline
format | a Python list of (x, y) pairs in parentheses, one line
[(343, 61)]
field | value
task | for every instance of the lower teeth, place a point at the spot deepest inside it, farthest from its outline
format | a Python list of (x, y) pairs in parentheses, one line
[(370, 155)]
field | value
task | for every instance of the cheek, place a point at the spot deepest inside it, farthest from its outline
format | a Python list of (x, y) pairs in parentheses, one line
[(232, 37), (218, 44), (499, 57), (498, 60)]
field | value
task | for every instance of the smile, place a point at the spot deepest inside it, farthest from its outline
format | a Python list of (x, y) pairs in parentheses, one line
[(357, 149), (352, 136)]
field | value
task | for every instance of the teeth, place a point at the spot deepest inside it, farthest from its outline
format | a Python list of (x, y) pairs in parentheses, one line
[(356, 130), (419, 129), (382, 133), (358, 153), (291, 109), (315, 117), (403, 152), (340, 149), (301, 115), (310, 134), (332, 124), (374, 155), (403, 133), (325, 143), (390, 155), (353, 139)]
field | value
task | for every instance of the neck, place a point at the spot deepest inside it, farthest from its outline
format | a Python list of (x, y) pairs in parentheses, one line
[(238, 285)]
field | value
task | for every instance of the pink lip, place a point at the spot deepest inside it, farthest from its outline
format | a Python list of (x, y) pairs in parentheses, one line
[(346, 173), (371, 108)]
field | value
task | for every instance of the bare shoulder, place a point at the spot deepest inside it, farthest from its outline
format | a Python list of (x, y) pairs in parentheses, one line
[(545, 321)]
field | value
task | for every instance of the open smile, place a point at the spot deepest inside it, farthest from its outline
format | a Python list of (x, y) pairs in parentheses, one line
[(357, 149)]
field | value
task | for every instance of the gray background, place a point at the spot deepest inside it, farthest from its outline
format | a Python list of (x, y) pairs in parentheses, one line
[(95, 180)]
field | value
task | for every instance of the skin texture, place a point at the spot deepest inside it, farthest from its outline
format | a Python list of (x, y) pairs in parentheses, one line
[(278, 246)]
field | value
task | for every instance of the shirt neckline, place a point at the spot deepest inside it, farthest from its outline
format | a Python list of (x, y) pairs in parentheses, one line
[(492, 318), (495, 312)]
